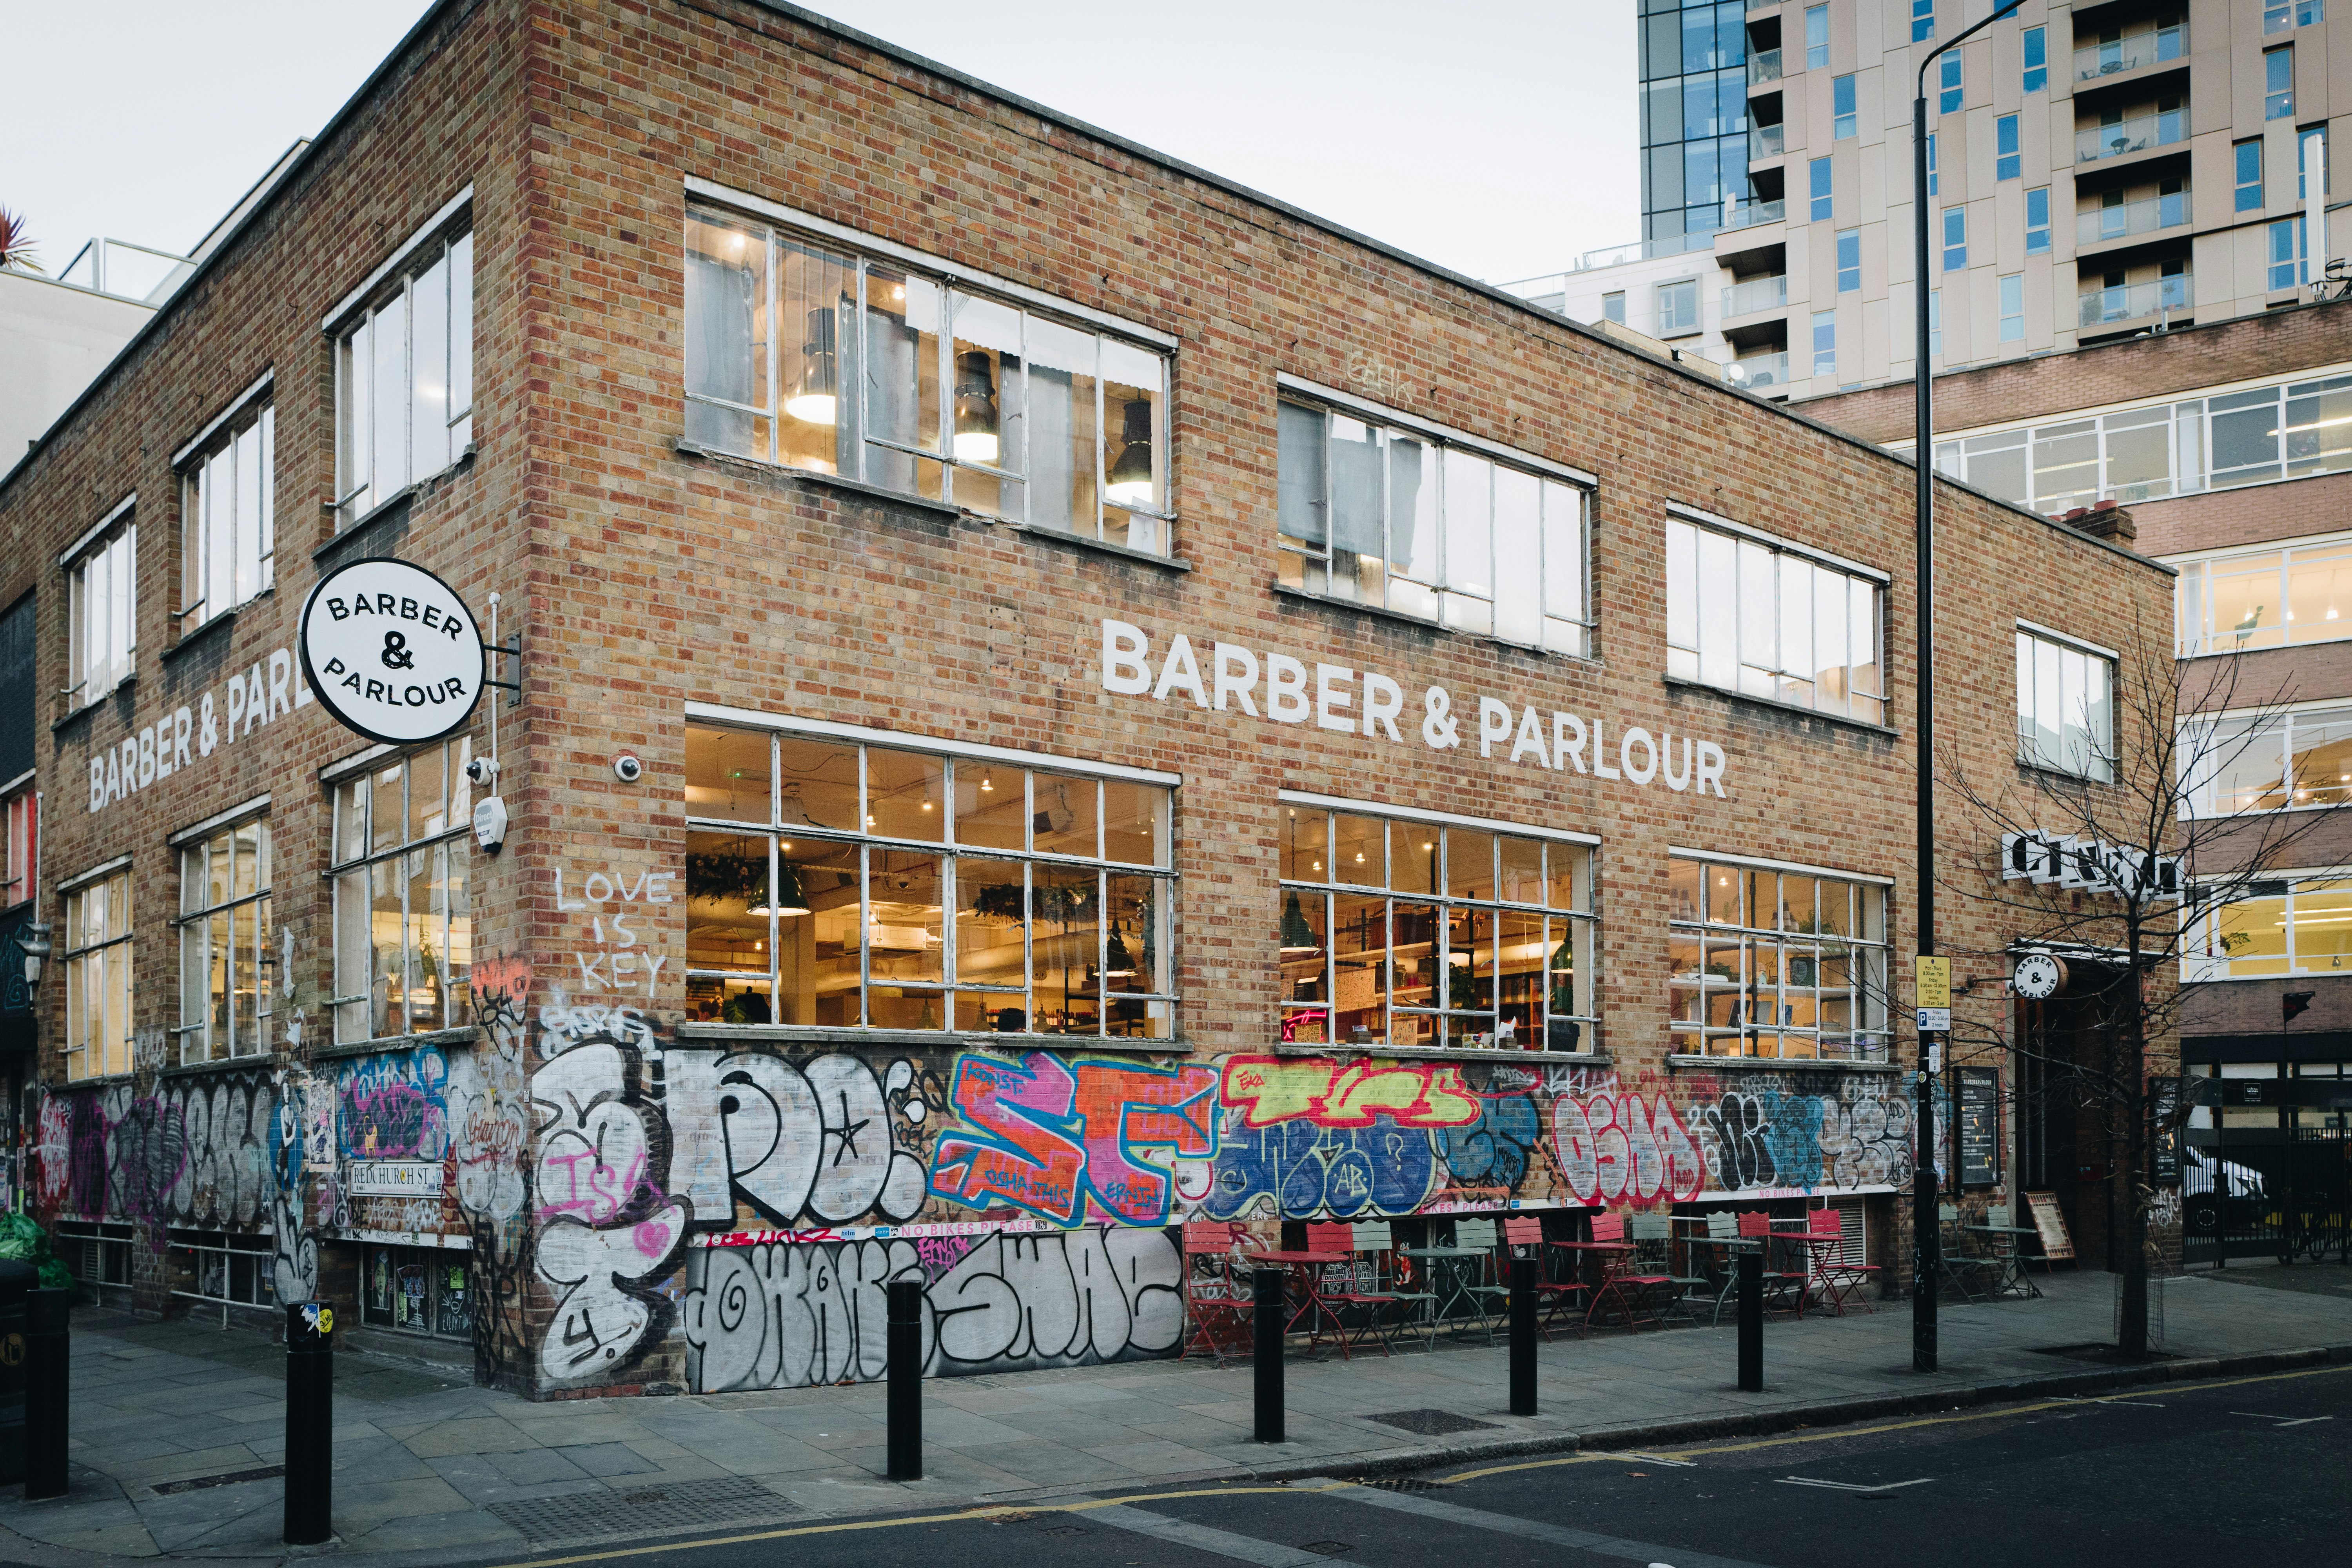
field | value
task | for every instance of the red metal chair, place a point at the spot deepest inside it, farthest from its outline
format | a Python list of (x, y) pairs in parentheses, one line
[(1334, 1286), (1838, 1279), (1755, 1226), (1622, 1280), (1217, 1302), (1553, 1295)]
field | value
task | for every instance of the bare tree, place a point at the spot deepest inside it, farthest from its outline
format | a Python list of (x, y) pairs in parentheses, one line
[(2121, 851)]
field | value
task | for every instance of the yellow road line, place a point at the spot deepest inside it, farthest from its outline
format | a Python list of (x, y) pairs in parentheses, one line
[(1832, 1433), (960, 1516)]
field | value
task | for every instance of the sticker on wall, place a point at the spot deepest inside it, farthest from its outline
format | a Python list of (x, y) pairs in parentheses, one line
[(392, 652)]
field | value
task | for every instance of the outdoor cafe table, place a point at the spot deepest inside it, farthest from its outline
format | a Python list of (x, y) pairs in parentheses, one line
[(2009, 1242), (1454, 1266), (1305, 1267), (1731, 1247), (1818, 1245), (1612, 1255)]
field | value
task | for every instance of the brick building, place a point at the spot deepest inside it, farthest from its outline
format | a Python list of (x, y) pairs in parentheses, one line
[(1053, 696), (2225, 445)]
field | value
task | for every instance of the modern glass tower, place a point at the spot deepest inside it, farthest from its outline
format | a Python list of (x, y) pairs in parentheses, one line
[(1695, 115)]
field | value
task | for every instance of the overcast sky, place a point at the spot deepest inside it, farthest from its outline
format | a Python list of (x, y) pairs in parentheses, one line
[(1495, 137)]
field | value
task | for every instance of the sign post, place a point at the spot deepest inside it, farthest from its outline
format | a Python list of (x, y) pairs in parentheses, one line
[(1931, 977)]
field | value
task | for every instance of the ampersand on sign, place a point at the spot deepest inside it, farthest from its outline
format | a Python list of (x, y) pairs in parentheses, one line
[(395, 652)]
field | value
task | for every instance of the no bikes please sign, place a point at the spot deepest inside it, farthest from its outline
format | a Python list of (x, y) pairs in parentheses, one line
[(392, 652)]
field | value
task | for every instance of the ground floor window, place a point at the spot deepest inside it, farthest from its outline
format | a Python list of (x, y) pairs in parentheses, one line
[(421, 1290), (233, 1270), (1425, 931), (1777, 962), (98, 1254)]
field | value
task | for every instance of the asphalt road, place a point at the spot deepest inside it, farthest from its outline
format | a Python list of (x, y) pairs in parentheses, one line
[(2237, 1471)]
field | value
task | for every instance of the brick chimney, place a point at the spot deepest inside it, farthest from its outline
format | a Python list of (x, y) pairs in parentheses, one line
[(2105, 520)]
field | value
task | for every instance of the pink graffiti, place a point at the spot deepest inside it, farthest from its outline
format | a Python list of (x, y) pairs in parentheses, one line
[(654, 1236), (1052, 1134), (1617, 1148), (590, 1189)]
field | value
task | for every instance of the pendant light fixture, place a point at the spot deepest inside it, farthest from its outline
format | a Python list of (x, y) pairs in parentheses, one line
[(817, 401), (1130, 477), (975, 409), (791, 898), (1297, 936)]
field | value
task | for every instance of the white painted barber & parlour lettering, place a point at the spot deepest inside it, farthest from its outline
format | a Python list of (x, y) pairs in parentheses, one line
[(243, 702), (1287, 690)]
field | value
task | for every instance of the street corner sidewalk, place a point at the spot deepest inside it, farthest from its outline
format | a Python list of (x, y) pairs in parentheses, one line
[(178, 1435)]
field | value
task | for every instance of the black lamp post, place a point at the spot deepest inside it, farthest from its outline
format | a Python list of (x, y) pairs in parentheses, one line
[(1924, 1229)]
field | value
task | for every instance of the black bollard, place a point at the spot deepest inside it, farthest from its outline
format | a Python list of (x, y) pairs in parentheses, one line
[(1266, 1355), (310, 1423), (16, 1281), (1523, 1336), (1751, 1321), (49, 1349), (905, 1372)]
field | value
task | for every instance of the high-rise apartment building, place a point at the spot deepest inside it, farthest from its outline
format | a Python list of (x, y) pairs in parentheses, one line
[(2094, 173)]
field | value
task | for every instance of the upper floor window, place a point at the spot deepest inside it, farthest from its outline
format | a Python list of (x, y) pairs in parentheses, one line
[(1948, 92), (1923, 20), (226, 984), (1775, 962), (1612, 306), (1403, 522), (2278, 761), (1406, 931), (831, 883), (1841, 109), (404, 911), (1956, 238), (1678, 308), (1817, 37), (102, 613), (20, 845), (2248, 160), (2286, 430), (227, 533), (1817, 177), (2012, 308), (404, 377), (2279, 597), (1763, 620), (97, 947), (2037, 221), (2285, 16), (2278, 82), (2009, 163), (2299, 926), (2066, 706), (1935, 176), (2037, 59), (817, 358), (1849, 260)]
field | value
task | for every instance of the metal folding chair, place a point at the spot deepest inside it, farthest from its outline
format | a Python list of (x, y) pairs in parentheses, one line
[(1376, 1244), (1652, 1236), (1755, 1226), (1552, 1294), (1838, 1279)]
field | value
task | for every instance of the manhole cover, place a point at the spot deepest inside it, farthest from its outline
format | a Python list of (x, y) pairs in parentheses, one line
[(1432, 1423), (643, 1510)]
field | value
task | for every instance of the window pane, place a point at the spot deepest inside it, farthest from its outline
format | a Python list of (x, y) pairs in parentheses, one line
[(1520, 975), (1063, 815), (1718, 598), (1518, 557), (391, 399), (816, 297), (1412, 857), (1302, 503), (992, 805), (726, 331), (1135, 459), (904, 795), (1797, 630), (1563, 552), (429, 377), (1357, 551), (1304, 838), (1565, 876), (1062, 433), (2323, 758), (992, 926), (1412, 528), (819, 783), (1065, 948), (1361, 851), (1682, 586), (1360, 941), (1135, 821), (1758, 616), (2319, 592), (1469, 863), (989, 428), (2139, 454), (1469, 540), (461, 337), (902, 369), (726, 773), (2245, 591), (1862, 650), (1522, 879)]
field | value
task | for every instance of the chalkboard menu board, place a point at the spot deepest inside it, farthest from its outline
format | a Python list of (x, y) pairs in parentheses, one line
[(1979, 1127)]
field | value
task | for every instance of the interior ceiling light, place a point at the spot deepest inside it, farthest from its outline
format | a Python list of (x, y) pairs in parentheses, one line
[(816, 401), (1130, 477), (975, 409), (790, 897)]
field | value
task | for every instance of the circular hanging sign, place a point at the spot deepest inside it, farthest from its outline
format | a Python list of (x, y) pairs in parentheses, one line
[(392, 652), (2039, 976)]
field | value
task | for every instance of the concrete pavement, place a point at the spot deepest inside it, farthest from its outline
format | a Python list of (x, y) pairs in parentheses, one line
[(178, 1427)]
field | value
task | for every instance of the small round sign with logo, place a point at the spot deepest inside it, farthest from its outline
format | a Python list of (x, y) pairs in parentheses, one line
[(2039, 976), (392, 652)]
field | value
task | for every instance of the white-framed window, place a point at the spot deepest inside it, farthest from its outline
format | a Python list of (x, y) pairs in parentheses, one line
[(20, 844), (1398, 518), (228, 536), (1419, 931), (404, 377), (2287, 430), (102, 613), (227, 984), (2274, 762), (922, 380), (833, 883), (1764, 619), (97, 946), (1775, 961), (403, 909), (2295, 925), (2066, 706), (2279, 595)]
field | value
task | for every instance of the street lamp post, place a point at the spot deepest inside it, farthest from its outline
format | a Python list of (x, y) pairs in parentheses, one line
[(1924, 1229)]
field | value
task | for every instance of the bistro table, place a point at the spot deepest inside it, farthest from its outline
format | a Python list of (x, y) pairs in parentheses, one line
[(1450, 1275), (1819, 1245), (1730, 1246), (2008, 1242), (1305, 1269), (1613, 1257)]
